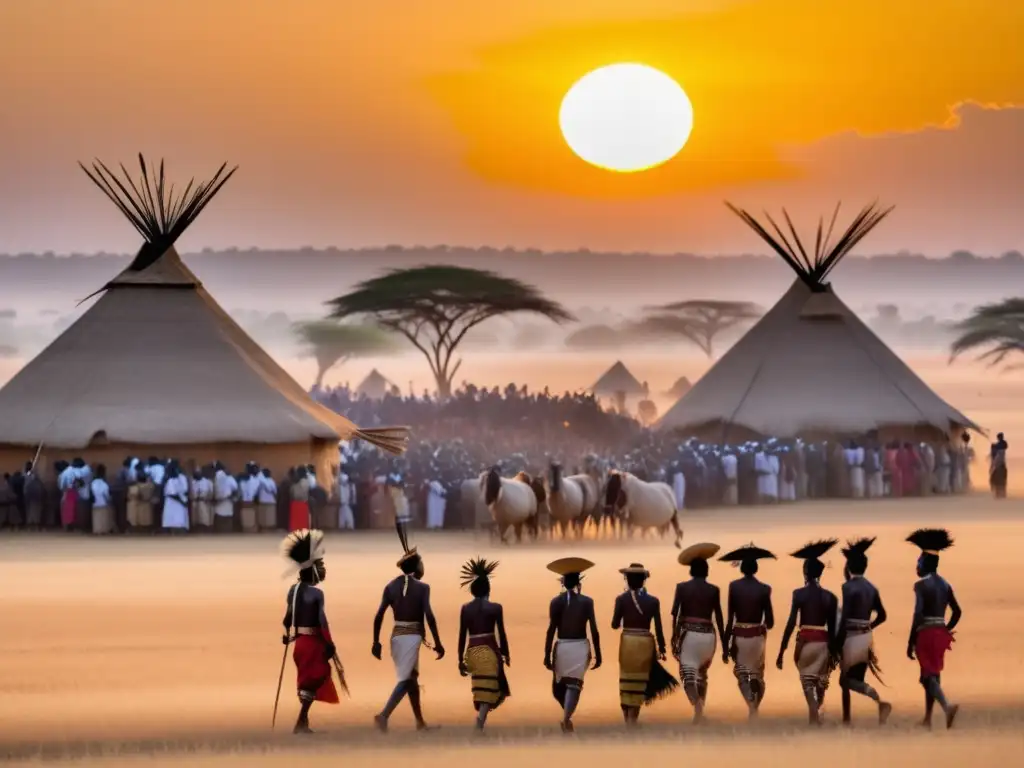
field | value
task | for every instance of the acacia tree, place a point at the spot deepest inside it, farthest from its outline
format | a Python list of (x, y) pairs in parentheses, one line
[(996, 331), (330, 342), (435, 306), (699, 320)]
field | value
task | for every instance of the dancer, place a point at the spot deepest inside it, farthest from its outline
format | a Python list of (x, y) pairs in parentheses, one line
[(817, 609), (855, 640), (487, 655), (750, 617), (930, 635), (314, 649), (409, 599), (693, 635), (642, 680), (569, 615)]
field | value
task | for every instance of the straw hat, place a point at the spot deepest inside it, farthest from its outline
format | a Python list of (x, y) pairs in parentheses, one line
[(702, 551), (635, 568), (567, 565)]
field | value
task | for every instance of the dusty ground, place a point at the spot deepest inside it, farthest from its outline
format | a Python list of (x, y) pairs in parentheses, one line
[(146, 646)]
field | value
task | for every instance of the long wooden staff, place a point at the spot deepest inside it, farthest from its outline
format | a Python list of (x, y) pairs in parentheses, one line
[(280, 681), (284, 658)]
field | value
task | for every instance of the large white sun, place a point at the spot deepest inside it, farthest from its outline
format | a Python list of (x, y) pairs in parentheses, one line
[(626, 117)]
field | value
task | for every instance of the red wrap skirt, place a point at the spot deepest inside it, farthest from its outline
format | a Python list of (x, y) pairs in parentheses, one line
[(68, 507), (930, 648), (298, 515), (314, 668)]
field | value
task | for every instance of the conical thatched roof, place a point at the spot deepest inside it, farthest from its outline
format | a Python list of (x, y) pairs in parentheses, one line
[(680, 388), (810, 365), (374, 385), (617, 379), (157, 361)]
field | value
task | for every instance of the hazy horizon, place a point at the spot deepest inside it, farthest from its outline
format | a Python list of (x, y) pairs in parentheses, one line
[(356, 123)]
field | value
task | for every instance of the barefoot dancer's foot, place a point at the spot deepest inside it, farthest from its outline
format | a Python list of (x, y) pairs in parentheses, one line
[(381, 722), (884, 710), (926, 723), (951, 714), (422, 726), (301, 728)]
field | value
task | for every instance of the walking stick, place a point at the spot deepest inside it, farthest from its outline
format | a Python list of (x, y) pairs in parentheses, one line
[(284, 658), (280, 680)]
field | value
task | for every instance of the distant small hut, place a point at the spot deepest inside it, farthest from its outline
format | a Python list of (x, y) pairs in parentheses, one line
[(375, 386), (680, 388), (619, 387)]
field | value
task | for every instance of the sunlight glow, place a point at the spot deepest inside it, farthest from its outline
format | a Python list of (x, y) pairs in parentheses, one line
[(626, 117)]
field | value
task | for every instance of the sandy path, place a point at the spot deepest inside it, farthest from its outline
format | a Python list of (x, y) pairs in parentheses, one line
[(118, 641)]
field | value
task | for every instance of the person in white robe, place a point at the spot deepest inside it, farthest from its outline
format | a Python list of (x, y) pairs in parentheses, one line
[(854, 457), (787, 475), (800, 454), (942, 465), (346, 501), (248, 489), (730, 468), (678, 485), (202, 499), (927, 454), (763, 469), (102, 509), (266, 502), (772, 484), (436, 501), (156, 471), (874, 480), (225, 491), (175, 514)]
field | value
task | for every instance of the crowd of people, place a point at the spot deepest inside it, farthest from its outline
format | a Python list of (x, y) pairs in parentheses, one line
[(454, 442)]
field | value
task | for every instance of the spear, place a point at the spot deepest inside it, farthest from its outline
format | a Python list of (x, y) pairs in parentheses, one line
[(341, 674)]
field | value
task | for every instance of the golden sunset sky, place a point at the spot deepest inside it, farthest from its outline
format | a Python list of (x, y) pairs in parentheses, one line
[(436, 121)]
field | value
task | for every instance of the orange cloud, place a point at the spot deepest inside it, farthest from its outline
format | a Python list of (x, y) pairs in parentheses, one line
[(764, 76)]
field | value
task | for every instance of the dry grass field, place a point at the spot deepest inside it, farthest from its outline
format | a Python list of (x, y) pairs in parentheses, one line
[(167, 650)]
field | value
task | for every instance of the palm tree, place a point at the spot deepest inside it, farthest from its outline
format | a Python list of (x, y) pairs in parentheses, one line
[(995, 331)]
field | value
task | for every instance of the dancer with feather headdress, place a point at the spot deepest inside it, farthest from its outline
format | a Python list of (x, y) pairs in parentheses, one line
[(482, 623), (409, 599), (642, 680), (930, 634), (854, 641), (314, 649), (693, 634), (569, 616), (817, 610), (750, 617)]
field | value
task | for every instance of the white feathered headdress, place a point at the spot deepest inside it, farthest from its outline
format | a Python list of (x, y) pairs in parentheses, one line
[(303, 548)]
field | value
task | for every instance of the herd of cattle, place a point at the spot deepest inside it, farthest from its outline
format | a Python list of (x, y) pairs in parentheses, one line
[(608, 500)]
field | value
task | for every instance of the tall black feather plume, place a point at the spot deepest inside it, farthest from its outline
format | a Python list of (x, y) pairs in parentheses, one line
[(858, 546), (476, 568), (931, 539), (403, 536)]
